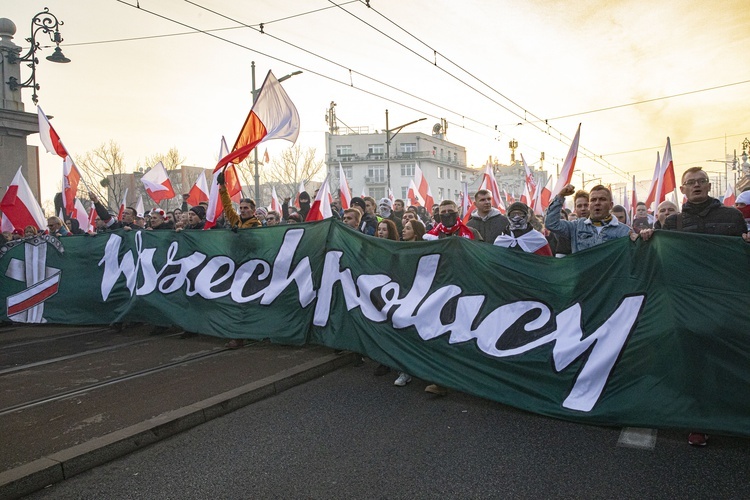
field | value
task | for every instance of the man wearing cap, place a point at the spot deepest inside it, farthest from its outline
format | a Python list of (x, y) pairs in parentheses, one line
[(520, 235), (158, 220), (599, 227), (385, 209), (743, 205), (487, 219), (246, 218), (196, 218)]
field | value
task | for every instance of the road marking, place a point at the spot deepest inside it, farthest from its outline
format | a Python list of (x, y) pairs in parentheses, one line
[(637, 437)]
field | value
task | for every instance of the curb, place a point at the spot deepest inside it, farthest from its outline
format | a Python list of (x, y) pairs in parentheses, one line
[(55, 468)]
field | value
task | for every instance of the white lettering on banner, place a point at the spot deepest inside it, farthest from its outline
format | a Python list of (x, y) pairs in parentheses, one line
[(378, 298)]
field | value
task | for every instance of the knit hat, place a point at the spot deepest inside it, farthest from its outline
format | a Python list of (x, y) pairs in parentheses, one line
[(159, 211), (359, 202), (518, 206), (199, 211), (261, 213), (385, 201), (744, 197)]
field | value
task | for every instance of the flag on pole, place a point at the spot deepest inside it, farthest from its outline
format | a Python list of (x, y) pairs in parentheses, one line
[(123, 205), (666, 182), (633, 202), (415, 199), (467, 205), (490, 184), (139, 210), (300, 189), (199, 191), (80, 214), (6, 226), (390, 195), (47, 134), (20, 206), (157, 183), (91, 223), (231, 182), (272, 116), (275, 205), (71, 179), (231, 179), (321, 207), (423, 188), (266, 158), (654, 183), (543, 197), (345, 194), (566, 175), (531, 189), (729, 197), (52, 143)]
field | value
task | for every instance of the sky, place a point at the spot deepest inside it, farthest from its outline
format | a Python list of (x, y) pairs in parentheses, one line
[(496, 70)]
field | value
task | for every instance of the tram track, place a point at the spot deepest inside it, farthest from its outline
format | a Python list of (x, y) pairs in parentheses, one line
[(52, 338)]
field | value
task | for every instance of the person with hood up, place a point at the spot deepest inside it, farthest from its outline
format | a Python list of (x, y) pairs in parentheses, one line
[(385, 210), (486, 219), (520, 235)]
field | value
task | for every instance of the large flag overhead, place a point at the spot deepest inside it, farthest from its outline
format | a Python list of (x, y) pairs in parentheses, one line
[(20, 206), (53, 144), (321, 207), (157, 183), (423, 188), (345, 194), (48, 135), (654, 183), (273, 116), (566, 174), (199, 191), (666, 182), (6, 226)]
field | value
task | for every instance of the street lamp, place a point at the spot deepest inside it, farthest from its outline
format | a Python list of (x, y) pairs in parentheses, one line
[(46, 23), (388, 139), (255, 159)]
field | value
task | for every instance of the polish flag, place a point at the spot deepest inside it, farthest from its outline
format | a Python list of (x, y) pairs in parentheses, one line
[(467, 205), (139, 210), (543, 196), (6, 226), (49, 137), (729, 197), (666, 182), (157, 183), (123, 205), (80, 214), (231, 179), (423, 187), (273, 116), (566, 175), (71, 179), (52, 143), (633, 202), (490, 184), (509, 198), (275, 205), (232, 183), (415, 199), (300, 189), (91, 223), (321, 207), (530, 184), (20, 206), (345, 194), (199, 191), (654, 183)]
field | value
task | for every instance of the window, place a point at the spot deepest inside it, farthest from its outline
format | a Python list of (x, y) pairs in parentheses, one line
[(376, 173), (440, 172), (377, 193), (344, 150), (347, 173), (409, 147), (407, 170), (405, 193), (440, 194), (375, 151)]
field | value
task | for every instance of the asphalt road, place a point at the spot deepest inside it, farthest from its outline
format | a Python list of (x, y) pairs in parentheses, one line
[(349, 434)]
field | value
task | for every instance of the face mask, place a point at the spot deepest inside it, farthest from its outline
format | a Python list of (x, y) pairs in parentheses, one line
[(385, 211), (448, 220), (518, 222), (745, 211)]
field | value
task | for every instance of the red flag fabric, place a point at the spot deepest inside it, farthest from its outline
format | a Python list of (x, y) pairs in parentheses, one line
[(566, 174), (273, 116), (123, 205), (729, 197), (654, 183), (666, 182), (71, 179), (20, 206), (52, 143), (345, 194), (415, 199), (157, 183), (275, 205), (321, 207), (531, 188), (48, 136), (266, 158), (300, 189), (423, 188), (199, 191), (490, 184), (91, 224), (80, 214)]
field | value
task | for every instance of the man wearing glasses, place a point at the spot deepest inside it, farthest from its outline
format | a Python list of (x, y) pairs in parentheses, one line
[(702, 213), (273, 218)]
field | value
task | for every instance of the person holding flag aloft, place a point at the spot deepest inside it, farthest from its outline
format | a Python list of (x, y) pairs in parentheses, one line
[(246, 218)]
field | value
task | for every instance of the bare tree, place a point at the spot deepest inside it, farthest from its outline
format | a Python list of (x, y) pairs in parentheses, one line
[(102, 172), (292, 166), (181, 182)]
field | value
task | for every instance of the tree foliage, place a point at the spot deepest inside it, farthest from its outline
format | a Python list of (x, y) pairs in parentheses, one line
[(101, 172)]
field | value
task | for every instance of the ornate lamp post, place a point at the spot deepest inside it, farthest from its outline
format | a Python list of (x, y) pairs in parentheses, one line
[(48, 24)]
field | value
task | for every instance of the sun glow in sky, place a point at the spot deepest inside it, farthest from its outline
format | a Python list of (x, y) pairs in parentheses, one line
[(495, 70)]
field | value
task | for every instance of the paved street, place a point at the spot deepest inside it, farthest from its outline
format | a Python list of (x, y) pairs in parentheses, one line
[(349, 434)]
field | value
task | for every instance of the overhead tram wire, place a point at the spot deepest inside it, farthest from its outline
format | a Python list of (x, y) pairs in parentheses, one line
[(311, 71), (587, 152)]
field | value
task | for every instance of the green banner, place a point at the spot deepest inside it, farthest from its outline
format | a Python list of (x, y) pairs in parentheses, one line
[(631, 334)]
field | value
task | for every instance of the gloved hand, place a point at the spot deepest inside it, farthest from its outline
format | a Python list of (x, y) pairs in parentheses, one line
[(220, 179)]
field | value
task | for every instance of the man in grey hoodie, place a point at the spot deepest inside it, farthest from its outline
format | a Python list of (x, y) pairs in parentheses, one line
[(486, 219)]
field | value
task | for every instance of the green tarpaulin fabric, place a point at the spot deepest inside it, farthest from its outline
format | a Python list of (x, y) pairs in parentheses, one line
[(646, 334)]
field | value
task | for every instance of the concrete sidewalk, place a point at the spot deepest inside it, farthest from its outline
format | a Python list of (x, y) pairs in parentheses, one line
[(275, 368)]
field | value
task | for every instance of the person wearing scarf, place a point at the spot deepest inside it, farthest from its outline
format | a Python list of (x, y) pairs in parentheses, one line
[(450, 224), (520, 235)]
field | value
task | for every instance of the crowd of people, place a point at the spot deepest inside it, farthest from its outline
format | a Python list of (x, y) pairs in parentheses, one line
[(593, 220)]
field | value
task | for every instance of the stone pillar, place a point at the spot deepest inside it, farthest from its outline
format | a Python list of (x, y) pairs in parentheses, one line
[(15, 123)]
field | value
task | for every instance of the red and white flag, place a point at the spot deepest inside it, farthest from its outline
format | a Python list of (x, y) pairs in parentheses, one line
[(157, 183), (20, 206), (467, 205), (543, 197), (231, 179), (123, 205), (91, 223), (232, 183), (300, 189), (423, 188), (266, 158), (273, 116), (80, 214), (666, 182), (530, 186), (6, 226), (71, 179), (199, 191), (52, 143), (490, 184), (566, 175), (345, 194), (139, 210), (729, 197), (48, 135), (275, 205), (654, 183), (390, 195), (415, 199), (321, 207)]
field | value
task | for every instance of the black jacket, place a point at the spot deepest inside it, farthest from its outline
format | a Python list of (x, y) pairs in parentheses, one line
[(709, 217)]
